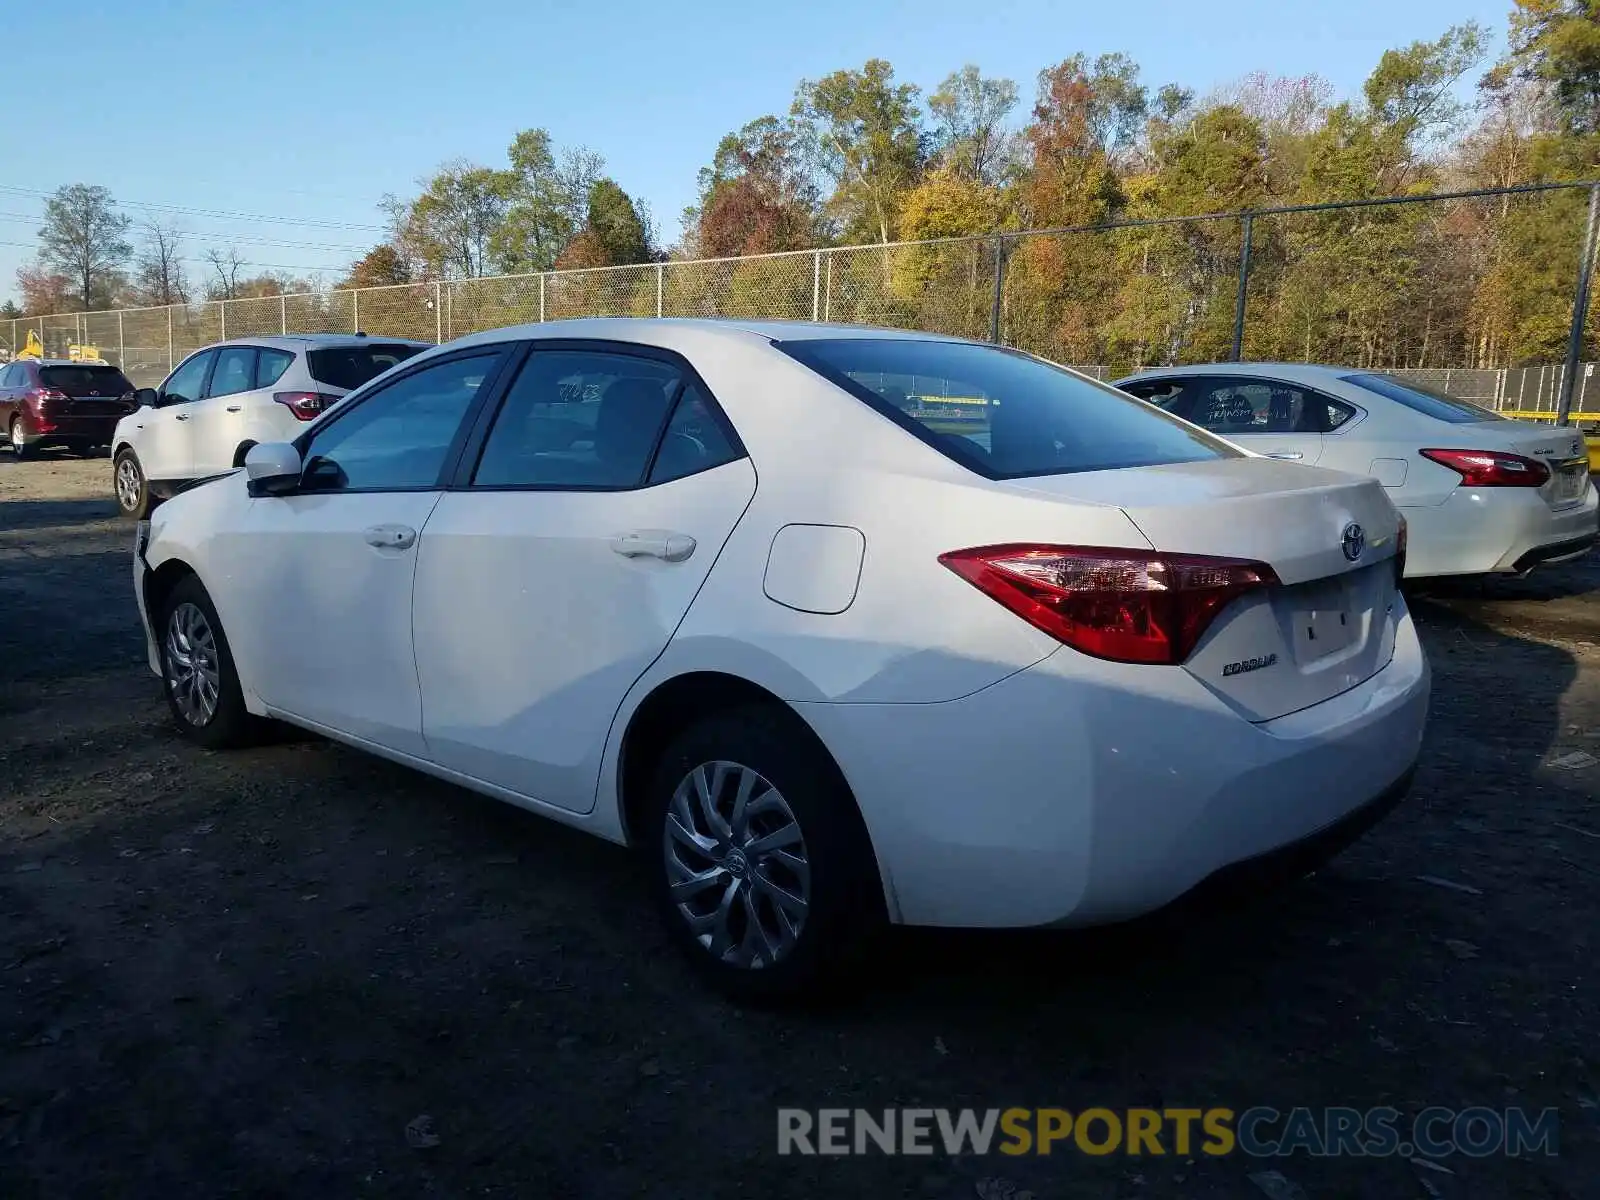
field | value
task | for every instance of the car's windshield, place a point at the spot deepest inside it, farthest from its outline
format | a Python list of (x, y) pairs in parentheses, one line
[(88, 380), (349, 367), (1423, 399), (1003, 413)]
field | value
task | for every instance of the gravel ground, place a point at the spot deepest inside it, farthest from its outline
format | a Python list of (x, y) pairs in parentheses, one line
[(245, 974)]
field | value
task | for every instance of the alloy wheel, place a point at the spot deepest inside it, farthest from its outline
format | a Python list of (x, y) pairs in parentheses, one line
[(128, 484), (737, 866), (193, 665)]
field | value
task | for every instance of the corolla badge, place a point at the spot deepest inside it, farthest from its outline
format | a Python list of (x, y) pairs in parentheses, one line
[(1353, 541), (1249, 664)]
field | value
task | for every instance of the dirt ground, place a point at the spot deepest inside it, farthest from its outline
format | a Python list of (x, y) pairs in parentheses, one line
[(245, 974)]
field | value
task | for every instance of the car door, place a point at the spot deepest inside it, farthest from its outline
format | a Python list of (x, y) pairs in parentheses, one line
[(322, 576), (216, 421), (1267, 416), (559, 568), (162, 439), (11, 377)]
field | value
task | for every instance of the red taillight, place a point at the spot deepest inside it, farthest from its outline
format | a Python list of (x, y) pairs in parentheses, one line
[(305, 406), (1491, 468), (39, 397), (1125, 605)]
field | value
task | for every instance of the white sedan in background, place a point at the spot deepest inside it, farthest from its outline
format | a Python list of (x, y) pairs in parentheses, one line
[(829, 646), (1480, 493)]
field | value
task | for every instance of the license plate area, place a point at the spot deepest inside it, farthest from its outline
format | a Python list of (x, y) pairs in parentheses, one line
[(1325, 617), (1570, 480)]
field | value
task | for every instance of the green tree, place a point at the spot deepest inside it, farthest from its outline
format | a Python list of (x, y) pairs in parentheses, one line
[(85, 239), (1557, 42), (451, 228), (756, 197), (547, 201), (864, 133), (617, 226), (970, 139)]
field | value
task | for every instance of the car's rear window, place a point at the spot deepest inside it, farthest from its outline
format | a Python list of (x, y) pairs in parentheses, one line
[(86, 380), (1002, 413), (350, 366), (1431, 402)]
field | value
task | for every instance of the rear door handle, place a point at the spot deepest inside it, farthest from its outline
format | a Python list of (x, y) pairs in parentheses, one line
[(1289, 454), (180, 416), (654, 543), (233, 408), (391, 537)]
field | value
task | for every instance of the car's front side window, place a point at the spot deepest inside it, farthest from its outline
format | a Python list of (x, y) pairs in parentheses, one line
[(398, 437), (185, 384)]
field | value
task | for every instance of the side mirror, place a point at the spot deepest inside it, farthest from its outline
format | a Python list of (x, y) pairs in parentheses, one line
[(272, 468), (146, 397)]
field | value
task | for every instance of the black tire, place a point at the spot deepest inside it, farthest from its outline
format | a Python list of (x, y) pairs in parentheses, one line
[(845, 910), (244, 448), (229, 723), (19, 447), (142, 504)]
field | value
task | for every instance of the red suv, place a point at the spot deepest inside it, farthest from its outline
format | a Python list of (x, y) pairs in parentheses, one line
[(57, 402)]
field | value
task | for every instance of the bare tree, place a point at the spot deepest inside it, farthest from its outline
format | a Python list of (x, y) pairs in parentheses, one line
[(225, 261), (83, 239), (159, 268)]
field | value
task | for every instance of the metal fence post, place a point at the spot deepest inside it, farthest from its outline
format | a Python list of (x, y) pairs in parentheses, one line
[(827, 291), (999, 287), (1580, 308), (169, 336), (541, 295), (438, 314), (816, 284), (1244, 280), (283, 314), (122, 345), (355, 310), (222, 307), (660, 273)]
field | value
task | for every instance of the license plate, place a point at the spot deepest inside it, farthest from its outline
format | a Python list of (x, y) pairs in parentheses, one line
[(1324, 620), (1571, 480)]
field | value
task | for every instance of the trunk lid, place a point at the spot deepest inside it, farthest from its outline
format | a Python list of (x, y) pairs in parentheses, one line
[(91, 390), (1327, 626)]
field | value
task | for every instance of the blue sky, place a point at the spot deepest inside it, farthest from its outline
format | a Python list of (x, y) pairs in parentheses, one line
[(310, 112)]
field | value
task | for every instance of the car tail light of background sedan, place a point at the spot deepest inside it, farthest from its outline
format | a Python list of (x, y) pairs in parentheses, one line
[(1491, 468), (306, 406), (1124, 605)]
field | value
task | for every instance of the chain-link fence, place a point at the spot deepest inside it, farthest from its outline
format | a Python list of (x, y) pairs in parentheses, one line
[(1476, 292)]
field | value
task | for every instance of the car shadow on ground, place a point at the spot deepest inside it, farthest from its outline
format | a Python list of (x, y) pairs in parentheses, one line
[(20, 515)]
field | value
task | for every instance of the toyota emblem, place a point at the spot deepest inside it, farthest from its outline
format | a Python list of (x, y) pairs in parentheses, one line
[(1354, 541)]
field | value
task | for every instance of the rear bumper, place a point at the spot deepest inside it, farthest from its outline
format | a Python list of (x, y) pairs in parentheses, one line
[(63, 430), (1497, 530), (1079, 792)]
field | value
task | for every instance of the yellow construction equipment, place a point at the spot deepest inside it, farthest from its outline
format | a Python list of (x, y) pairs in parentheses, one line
[(33, 348)]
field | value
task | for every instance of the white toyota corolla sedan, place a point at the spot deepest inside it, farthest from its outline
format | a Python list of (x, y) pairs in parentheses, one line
[(1481, 493), (837, 624)]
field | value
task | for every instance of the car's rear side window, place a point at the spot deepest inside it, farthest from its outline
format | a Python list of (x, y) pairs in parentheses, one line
[(270, 366), (349, 367), (1002, 413), (86, 380), (1441, 406)]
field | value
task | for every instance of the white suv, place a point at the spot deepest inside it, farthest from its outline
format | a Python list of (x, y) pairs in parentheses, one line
[(225, 398)]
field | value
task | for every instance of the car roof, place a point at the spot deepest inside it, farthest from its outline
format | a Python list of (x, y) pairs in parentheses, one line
[(64, 362), (1292, 372), (669, 331), (315, 341)]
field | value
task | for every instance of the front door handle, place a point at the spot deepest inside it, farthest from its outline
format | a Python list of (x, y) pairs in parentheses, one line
[(233, 408), (654, 543), (180, 416), (1293, 455), (391, 537)]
